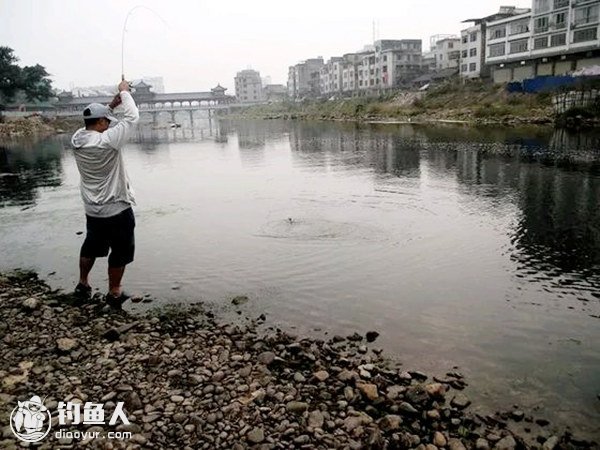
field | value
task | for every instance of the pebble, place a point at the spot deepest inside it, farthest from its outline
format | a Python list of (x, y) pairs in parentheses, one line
[(297, 407), (460, 401), (368, 390), (256, 435), (190, 382), (506, 443), (321, 375)]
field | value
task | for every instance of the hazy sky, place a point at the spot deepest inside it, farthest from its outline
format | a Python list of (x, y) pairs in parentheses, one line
[(205, 43)]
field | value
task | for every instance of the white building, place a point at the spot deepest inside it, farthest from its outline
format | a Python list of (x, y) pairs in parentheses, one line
[(304, 78), (473, 42), (556, 38), (447, 53), (330, 76), (393, 64), (248, 86)]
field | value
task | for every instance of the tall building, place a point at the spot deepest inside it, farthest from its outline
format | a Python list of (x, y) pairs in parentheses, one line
[(474, 39), (557, 37), (248, 86), (304, 78), (330, 76), (392, 64), (446, 51)]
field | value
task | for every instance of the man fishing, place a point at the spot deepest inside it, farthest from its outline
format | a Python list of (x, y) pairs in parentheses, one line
[(106, 192)]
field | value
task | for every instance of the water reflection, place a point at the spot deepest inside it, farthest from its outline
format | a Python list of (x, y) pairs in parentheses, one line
[(558, 233), (25, 168)]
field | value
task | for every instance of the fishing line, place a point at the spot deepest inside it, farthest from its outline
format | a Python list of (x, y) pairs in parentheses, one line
[(125, 29)]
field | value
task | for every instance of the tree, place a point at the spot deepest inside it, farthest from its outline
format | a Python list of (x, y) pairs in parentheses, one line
[(31, 80)]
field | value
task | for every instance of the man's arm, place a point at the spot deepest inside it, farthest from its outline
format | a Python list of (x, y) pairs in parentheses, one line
[(116, 137)]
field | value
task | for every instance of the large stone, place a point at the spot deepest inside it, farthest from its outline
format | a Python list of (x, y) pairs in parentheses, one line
[(460, 401), (417, 395), (297, 407), (390, 422), (439, 439), (482, 444), (506, 443), (316, 419), (550, 443), (436, 390), (456, 444), (368, 390), (66, 344), (321, 375), (31, 303), (407, 407), (266, 358), (256, 435)]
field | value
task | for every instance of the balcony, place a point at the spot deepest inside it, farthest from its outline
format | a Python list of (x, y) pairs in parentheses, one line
[(560, 4)]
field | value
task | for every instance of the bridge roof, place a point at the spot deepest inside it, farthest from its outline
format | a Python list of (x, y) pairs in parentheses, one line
[(170, 97)]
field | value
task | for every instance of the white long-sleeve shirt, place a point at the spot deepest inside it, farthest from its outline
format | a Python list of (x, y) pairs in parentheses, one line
[(105, 187)]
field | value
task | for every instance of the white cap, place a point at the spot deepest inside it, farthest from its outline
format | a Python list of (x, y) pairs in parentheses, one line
[(98, 111)]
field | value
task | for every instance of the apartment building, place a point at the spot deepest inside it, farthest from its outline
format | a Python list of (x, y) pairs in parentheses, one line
[(304, 78), (474, 39), (446, 51), (331, 75), (392, 64), (556, 38), (248, 86), (350, 64)]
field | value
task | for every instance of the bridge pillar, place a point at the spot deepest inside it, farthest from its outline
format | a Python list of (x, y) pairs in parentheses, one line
[(192, 117), (210, 120), (172, 116)]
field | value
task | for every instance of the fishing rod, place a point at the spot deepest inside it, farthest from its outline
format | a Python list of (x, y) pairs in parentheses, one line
[(125, 29)]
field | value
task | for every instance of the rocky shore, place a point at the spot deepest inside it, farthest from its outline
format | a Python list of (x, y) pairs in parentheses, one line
[(37, 125), (190, 380)]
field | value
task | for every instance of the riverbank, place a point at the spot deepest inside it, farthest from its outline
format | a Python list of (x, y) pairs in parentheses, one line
[(471, 103), (190, 379), (37, 125)]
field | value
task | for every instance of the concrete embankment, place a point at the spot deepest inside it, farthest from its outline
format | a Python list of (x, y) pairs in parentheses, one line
[(190, 380)]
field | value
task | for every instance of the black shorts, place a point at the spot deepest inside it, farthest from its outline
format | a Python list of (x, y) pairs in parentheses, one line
[(115, 233)]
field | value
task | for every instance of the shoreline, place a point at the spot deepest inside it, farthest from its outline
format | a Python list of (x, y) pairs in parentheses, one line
[(190, 378)]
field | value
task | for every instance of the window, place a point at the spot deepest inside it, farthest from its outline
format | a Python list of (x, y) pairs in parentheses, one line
[(541, 24), (541, 6), (450, 45), (473, 52), (498, 33), (384, 58), (473, 67), (384, 69), (522, 26), (465, 39), (589, 34), (474, 36), (519, 46), (558, 39), (463, 68), (497, 50), (560, 3), (541, 42), (560, 21), (585, 15), (464, 53)]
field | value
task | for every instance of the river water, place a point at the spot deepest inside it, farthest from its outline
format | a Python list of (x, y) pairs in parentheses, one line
[(470, 247)]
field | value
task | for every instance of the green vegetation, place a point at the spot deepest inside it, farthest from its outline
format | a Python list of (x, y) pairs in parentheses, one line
[(470, 102), (32, 81)]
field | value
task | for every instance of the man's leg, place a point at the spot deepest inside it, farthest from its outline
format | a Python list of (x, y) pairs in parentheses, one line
[(115, 275), (85, 266)]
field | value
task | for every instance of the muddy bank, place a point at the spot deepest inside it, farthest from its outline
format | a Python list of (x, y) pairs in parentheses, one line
[(37, 125), (191, 380)]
